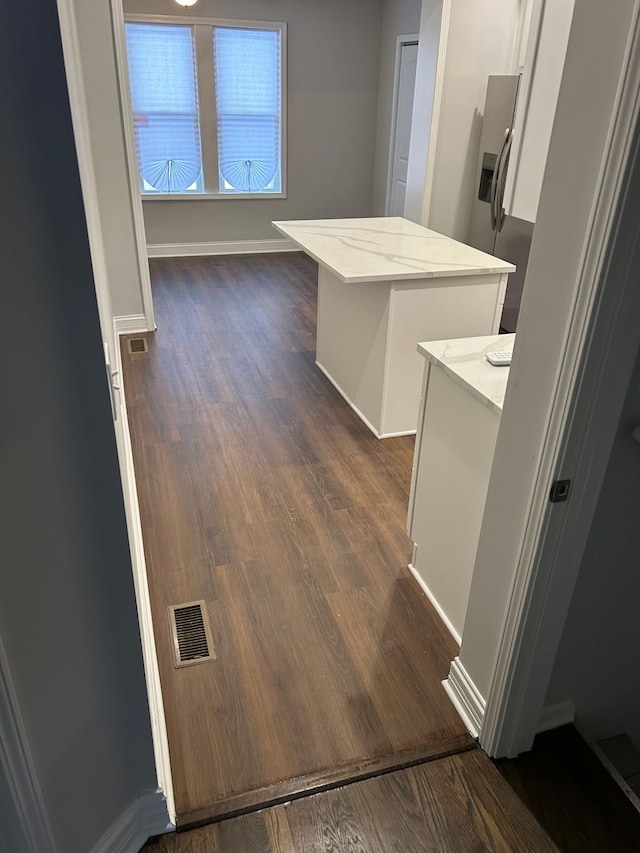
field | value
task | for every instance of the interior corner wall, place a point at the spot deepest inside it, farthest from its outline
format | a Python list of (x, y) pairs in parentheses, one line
[(333, 63), (399, 17), (109, 154), (481, 41), (598, 661), (67, 608)]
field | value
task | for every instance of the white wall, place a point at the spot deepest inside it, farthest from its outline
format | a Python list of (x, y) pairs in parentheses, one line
[(109, 154), (67, 611), (577, 148), (598, 662), (480, 42), (399, 17), (333, 54)]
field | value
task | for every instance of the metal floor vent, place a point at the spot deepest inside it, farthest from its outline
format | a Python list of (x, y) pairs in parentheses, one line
[(137, 345), (192, 641)]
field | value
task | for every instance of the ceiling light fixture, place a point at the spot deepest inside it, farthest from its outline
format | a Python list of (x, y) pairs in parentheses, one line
[(186, 3)]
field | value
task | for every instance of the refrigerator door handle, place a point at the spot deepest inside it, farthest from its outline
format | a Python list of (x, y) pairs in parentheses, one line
[(502, 182), (493, 209)]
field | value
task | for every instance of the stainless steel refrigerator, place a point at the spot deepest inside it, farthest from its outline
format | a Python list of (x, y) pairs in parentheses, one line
[(492, 230)]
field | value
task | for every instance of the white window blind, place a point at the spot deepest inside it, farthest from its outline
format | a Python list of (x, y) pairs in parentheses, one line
[(164, 96), (249, 110), (208, 105)]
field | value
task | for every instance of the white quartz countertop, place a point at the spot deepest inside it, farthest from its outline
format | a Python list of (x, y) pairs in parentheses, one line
[(386, 248), (464, 360)]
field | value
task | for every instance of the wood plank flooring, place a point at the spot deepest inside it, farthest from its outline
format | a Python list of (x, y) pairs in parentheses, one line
[(558, 797), (262, 493), (570, 793), (452, 805)]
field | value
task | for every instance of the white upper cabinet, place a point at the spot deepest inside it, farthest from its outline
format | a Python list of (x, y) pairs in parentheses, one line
[(540, 56)]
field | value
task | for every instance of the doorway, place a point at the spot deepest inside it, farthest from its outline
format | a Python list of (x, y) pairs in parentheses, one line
[(402, 114)]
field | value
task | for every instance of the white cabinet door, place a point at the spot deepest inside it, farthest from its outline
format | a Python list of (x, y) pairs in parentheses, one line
[(536, 108)]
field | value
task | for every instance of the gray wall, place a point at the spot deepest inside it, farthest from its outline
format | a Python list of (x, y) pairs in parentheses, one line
[(109, 154), (598, 662), (399, 17), (332, 101), (67, 610)]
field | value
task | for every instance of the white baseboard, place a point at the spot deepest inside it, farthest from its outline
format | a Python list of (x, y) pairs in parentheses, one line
[(456, 636), (236, 247), (465, 696), (143, 818), (554, 716), (128, 324), (149, 652)]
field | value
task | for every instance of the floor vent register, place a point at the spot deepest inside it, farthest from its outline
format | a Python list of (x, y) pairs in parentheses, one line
[(192, 642)]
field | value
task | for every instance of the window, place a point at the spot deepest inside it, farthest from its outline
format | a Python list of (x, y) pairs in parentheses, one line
[(207, 102)]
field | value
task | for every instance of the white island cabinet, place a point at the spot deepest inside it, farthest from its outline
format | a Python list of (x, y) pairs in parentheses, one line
[(462, 396), (384, 284)]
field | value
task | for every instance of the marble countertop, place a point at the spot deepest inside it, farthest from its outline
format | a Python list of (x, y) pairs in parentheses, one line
[(463, 359), (386, 248)]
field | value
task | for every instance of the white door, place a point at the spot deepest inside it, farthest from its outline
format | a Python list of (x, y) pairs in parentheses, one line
[(402, 129)]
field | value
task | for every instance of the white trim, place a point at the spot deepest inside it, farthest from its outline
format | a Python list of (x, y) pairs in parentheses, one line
[(19, 769), (211, 196), (438, 90), (235, 247), (183, 18), (141, 584), (434, 601), (126, 113), (79, 114), (127, 324), (145, 817), (615, 774), (600, 349), (465, 697), (554, 716), (82, 138), (401, 41)]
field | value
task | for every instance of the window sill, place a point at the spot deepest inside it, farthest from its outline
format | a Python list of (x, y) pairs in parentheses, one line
[(209, 196)]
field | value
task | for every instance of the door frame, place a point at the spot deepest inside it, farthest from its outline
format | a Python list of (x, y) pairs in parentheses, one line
[(578, 444), (81, 128), (120, 47), (401, 41), (598, 354)]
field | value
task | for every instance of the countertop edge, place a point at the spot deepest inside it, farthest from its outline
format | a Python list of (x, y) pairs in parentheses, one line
[(505, 269), (473, 389)]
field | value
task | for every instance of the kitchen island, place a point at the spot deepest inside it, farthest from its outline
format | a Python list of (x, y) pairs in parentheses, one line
[(462, 397), (384, 284)]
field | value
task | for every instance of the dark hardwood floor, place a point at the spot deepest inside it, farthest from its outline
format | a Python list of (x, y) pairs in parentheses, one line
[(262, 493), (458, 804), (570, 793), (556, 798)]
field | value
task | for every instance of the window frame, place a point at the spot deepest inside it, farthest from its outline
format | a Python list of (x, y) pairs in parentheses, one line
[(206, 94)]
